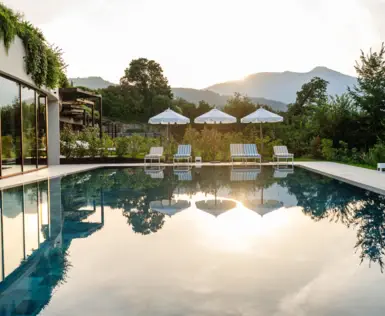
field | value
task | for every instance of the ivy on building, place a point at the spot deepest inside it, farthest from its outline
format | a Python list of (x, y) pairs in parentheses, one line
[(43, 62)]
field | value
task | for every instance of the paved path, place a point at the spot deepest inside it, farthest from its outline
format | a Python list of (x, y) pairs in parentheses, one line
[(368, 179), (364, 178)]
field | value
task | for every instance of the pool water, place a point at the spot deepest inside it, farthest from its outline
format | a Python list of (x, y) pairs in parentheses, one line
[(201, 241)]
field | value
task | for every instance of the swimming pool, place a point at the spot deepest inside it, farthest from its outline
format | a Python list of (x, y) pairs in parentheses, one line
[(200, 241)]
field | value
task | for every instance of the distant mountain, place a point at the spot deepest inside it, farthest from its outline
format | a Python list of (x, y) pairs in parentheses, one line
[(195, 95), (91, 82), (282, 86)]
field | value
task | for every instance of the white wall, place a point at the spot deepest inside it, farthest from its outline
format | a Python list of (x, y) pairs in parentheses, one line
[(12, 64)]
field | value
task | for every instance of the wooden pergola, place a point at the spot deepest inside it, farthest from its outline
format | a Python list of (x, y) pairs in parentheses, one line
[(81, 96)]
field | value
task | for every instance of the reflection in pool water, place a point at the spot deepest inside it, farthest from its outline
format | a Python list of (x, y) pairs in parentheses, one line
[(202, 241)]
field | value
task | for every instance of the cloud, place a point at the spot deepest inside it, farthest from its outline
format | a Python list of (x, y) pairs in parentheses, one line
[(43, 11), (376, 8)]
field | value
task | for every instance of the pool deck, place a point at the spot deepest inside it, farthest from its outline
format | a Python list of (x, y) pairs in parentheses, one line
[(367, 179), (371, 180)]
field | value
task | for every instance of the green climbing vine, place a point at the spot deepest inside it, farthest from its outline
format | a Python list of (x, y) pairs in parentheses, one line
[(43, 62)]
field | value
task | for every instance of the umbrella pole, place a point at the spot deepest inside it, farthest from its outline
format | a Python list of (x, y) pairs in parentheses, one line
[(261, 136), (168, 139)]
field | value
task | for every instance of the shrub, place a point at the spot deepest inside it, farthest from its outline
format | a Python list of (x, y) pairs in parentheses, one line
[(91, 142), (328, 152), (105, 144), (122, 145), (68, 142), (136, 144), (376, 154)]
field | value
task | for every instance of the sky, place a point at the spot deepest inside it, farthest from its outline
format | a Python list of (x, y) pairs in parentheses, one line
[(202, 42)]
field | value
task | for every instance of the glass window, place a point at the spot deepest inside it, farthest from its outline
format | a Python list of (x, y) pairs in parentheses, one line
[(10, 127), (13, 233), (42, 131), (28, 102)]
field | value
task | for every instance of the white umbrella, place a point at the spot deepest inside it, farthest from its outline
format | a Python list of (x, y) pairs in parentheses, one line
[(168, 117), (262, 116), (215, 116)]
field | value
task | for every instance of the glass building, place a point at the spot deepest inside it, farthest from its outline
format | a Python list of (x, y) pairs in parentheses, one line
[(23, 132)]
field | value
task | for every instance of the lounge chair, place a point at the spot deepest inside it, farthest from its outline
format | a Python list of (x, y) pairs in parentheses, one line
[(156, 153), (281, 152), (251, 152), (244, 151), (236, 151), (184, 152)]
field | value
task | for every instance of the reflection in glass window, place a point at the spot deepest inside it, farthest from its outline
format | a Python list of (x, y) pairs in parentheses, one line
[(43, 211), (31, 218), (10, 127), (13, 229), (42, 131), (28, 104)]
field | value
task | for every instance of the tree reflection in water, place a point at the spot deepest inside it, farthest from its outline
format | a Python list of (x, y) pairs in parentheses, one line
[(326, 198), (321, 198)]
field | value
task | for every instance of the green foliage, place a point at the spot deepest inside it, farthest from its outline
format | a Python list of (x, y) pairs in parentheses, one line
[(122, 146), (376, 154), (134, 146), (67, 142), (106, 145), (91, 139), (328, 152), (239, 106), (150, 88), (8, 25), (43, 63), (8, 147), (369, 94)]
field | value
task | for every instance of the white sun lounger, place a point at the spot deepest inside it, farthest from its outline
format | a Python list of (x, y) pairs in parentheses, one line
[(281, 152), (184, 153), (156, 153)]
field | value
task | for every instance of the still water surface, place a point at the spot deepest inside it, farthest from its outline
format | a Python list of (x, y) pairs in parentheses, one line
[(201, 241)]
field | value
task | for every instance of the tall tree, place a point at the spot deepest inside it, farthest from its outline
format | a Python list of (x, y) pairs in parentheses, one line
[(239, 106), (369, 93), (312, 93), (146, 76)]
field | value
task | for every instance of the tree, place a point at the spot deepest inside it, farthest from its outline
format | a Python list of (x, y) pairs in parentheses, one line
[(369, 93), (146, 77), (312, 93), (239, 106)]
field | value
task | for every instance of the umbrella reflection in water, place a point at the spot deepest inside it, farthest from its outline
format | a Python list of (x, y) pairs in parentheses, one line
[(170, 207)]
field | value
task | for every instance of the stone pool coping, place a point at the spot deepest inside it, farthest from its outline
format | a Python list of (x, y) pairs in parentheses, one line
[(364, 178)]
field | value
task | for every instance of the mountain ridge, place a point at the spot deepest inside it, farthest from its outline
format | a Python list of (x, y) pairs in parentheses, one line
[(282, 86)]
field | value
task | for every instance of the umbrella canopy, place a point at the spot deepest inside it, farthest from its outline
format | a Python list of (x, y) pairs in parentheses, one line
[(263, 208), (262, 116), (215, 207), (169, 207), (215, 116), (169, 117)]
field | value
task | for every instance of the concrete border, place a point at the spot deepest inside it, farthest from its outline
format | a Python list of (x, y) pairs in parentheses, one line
[(352, 179)]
